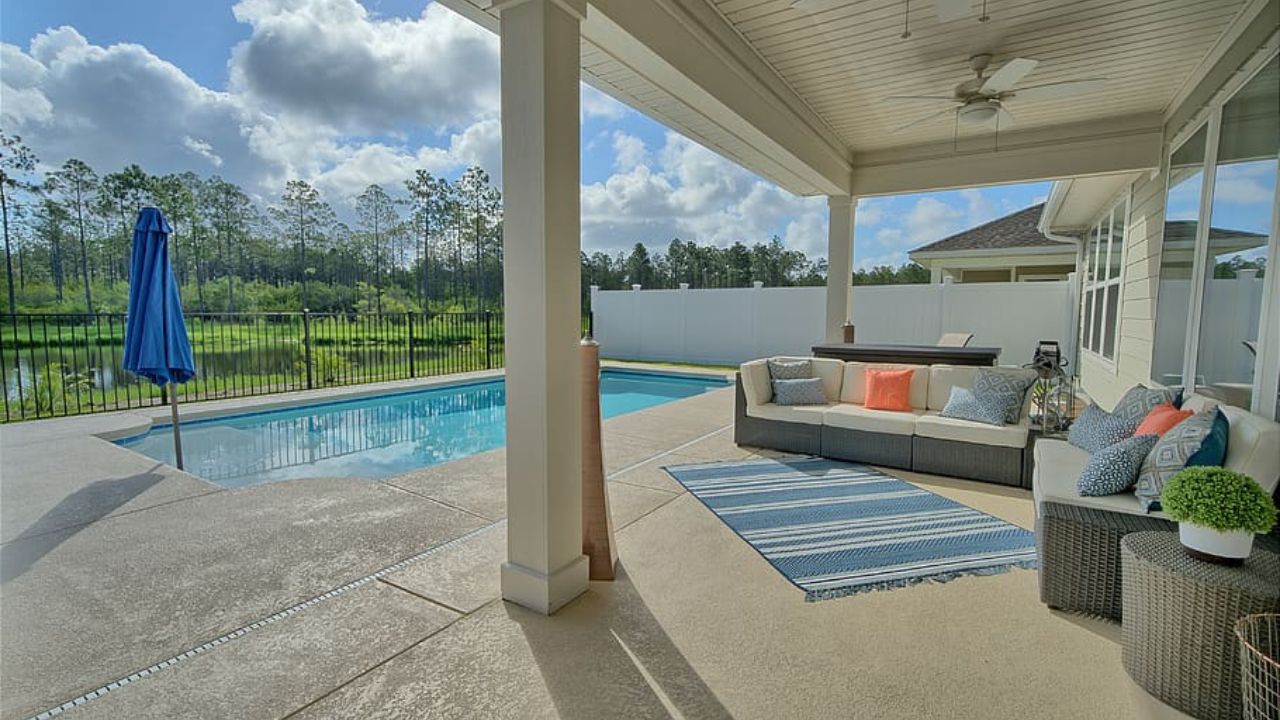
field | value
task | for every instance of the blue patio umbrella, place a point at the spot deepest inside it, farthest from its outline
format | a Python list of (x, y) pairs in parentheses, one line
[(156, 346)]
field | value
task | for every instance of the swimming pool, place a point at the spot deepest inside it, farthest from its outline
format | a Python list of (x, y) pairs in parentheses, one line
[(380, 436)]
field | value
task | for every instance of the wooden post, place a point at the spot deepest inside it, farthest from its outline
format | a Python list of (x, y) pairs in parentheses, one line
[(597, 522)]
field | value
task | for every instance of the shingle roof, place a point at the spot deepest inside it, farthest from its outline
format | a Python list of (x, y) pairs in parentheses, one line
[(1016, 230)]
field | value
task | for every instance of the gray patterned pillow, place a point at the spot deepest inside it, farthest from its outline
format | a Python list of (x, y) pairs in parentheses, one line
[(1096, 429), (1114, 469), (1136, 403), (998, 384), (1170, 455), (962, 404), (804, 391), (790, 369)]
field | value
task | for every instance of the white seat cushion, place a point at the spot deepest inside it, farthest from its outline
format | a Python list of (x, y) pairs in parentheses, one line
[(1253, 445), (857, 417), (933, 425), (805, 414), (854, 389), (943, 377), (1057, 467), (756, 385)]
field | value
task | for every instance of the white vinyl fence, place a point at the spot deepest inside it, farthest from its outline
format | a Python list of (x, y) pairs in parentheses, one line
[(730, 326)]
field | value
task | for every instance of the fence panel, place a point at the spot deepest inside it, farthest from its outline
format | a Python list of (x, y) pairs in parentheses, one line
[(53, 365)]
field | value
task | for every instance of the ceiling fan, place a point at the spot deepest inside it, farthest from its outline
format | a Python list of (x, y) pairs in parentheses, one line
[(947, 10), (983, 98)]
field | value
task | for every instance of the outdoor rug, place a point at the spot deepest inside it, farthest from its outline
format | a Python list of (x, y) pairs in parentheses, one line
[(836, 529)]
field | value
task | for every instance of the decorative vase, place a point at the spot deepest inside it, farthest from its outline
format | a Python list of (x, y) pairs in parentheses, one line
[(1223, 548)]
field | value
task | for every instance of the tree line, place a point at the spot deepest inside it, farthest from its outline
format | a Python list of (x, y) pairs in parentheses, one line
[(433, 245)]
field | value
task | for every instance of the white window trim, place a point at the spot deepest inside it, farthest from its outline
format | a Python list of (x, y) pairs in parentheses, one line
[(1101, 258)]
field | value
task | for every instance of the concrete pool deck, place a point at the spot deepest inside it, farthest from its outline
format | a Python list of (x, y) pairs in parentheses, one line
[(113, 564)]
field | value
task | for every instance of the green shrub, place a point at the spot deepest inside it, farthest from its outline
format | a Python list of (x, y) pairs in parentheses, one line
[(1218, 498)]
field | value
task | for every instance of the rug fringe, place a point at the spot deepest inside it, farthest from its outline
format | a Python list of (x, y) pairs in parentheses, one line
[(839, 592)]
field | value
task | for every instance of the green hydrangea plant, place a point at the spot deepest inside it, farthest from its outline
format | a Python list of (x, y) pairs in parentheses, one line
[(1218, 498)]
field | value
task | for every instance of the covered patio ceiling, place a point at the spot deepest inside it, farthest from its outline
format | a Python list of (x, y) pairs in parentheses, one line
[(794, 90)]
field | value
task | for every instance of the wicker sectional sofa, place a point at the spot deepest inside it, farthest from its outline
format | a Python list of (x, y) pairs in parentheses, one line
[(845, 429), (1079, 537)]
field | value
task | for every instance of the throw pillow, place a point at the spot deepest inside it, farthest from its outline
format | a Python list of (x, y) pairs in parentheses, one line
[(1139, 401), (962, 404), (1170, 454), (1096, 429), (1114, 469), (790, 369), (889, 390), (1161, 419), (803, 391), (1003, 382), (1213, 450)]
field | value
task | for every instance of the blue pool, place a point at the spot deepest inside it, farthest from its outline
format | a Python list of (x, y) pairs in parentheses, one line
[(380, 436)]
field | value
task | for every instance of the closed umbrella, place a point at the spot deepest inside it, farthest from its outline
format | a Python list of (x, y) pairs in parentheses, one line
[(155, 336)]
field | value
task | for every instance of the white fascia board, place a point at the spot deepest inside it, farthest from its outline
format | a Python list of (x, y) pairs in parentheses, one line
[(1096, 148), (1021, 252)]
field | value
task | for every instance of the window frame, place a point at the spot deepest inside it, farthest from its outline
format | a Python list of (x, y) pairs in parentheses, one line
[(1097, 280)]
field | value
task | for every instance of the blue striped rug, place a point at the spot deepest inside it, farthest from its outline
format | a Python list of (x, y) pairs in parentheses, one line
[(836, 529)]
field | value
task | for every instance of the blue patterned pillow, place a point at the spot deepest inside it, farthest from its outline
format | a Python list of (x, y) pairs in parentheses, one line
[(1096, 429), (790, 369), (1139, 401), (1007, 386), (1171, 453), (1114, 469), (805, 391), (962, 404)]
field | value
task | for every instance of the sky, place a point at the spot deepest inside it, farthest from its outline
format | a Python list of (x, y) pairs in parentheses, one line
[(345, 93)]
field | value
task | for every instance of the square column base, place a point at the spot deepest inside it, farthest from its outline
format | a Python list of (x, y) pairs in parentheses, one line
[(544, 593)]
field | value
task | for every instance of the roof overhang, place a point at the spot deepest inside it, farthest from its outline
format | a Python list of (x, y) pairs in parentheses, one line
[(1074, 203), (1017, 252)]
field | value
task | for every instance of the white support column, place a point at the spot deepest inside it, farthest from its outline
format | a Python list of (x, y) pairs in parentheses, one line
[(839, 265), (545, 567)]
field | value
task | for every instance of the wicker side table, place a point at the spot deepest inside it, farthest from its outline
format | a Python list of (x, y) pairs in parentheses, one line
[(1178, 619)]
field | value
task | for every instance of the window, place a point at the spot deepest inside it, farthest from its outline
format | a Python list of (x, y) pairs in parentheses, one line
[(1103, 278), (1218, 236)]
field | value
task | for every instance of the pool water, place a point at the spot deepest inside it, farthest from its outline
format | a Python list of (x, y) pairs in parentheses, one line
[(381, 436)]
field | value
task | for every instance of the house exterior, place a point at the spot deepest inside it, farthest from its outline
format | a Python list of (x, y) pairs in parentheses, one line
[(1008, 249)]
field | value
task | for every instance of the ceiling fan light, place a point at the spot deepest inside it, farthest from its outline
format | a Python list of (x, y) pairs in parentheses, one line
[(978, 113)]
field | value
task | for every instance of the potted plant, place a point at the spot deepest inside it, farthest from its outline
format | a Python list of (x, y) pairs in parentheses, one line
[(1218, 512)]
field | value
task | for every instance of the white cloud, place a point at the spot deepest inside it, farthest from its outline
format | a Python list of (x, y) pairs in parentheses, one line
[(629, 151), (597, 104), (330, 61)]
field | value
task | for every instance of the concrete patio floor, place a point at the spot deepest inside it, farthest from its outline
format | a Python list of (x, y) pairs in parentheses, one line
[(113, 564)]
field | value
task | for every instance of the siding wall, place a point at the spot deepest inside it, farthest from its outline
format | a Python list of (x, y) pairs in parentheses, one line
[(1103, 381)]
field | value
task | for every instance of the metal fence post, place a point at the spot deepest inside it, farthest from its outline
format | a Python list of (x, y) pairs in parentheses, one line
[(408, 317), (488, 357), (306, 343)]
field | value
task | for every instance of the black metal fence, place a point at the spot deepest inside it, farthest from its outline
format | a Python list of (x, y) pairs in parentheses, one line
[(57, 365)]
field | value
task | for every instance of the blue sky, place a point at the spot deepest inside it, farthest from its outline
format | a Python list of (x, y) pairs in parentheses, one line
[(345, 93)]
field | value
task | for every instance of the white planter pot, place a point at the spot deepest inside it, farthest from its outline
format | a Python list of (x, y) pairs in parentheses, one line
[(1232, 546)]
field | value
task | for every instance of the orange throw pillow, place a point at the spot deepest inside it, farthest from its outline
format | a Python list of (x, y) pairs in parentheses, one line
[(1161, 420), (889, 390)]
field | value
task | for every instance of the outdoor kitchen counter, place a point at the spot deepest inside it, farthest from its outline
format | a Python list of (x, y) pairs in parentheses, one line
[(911, 354)]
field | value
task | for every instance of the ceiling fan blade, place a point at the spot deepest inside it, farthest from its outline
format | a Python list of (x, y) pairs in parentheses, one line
[(949, 10), (918, 99), (1008, 75), (925, 119), (1053, 91), (1004, 119)]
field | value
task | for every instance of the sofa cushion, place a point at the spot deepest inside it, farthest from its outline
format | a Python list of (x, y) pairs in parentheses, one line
[(854, 389), (1114, 469), (1139, 401), (1004, 385), (831, 371), (780, 369), (888, 390), (1096, 429), (804, 414), (1252, 446), (1058, 465), (964, 405), (859, 417), (756, 383), (933, 425), (803, 391), (944, 377), (1170, 456)]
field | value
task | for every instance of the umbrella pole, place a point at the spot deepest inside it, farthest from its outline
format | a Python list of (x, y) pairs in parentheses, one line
[(177, 434)]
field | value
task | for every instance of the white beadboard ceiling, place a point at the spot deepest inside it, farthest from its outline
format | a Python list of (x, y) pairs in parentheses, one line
[(845, 58)]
